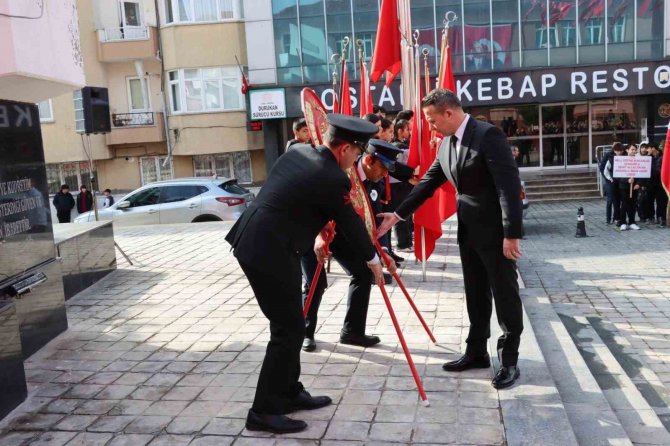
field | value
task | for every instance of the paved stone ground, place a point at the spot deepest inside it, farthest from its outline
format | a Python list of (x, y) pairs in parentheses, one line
[(166, 352), (620, 281)]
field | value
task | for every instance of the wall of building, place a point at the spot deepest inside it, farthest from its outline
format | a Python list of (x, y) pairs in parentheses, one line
[(61, 142), (119, 174), (205, 133), (118, 74), (183, 45), (258, 169), (182, 166)]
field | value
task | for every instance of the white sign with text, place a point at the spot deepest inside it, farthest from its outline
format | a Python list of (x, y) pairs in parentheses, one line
[(632, 166), (267, 104)]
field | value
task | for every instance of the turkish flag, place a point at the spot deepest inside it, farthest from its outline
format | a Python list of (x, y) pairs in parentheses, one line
[(446, 194), (428, 215), (386, 55), (477, 47), (665, 165), (345, 97)]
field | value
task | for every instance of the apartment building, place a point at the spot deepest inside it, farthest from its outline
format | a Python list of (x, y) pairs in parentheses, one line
[(174, 91)]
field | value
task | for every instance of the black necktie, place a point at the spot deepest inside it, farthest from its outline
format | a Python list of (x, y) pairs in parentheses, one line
[(454, 156)]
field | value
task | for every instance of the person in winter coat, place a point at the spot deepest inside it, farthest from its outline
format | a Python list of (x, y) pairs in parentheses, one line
[(84, 200), (63, 202), (611, 185)]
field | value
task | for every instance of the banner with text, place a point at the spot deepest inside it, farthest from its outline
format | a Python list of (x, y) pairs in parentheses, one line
[(632, 166)]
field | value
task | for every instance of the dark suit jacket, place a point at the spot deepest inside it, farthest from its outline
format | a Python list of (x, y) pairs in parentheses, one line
[(305, 189), (486, 178)]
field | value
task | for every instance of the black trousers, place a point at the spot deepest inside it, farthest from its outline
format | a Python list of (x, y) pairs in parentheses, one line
[(486, 274), (628, 205), (308, 264), (359, 286), (278, 295), (661, 199), (63, 216), (403, 229)]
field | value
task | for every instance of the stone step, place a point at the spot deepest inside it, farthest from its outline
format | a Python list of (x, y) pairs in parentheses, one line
[(571, 187), (554, 196), (591, 417), (613, 366), (560, 180)]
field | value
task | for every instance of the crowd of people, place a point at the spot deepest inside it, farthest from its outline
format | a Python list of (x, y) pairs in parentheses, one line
[(64, 202), (628, 197)]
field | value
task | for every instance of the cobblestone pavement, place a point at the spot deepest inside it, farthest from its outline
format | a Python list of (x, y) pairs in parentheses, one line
[(620, 281), (167, 352)]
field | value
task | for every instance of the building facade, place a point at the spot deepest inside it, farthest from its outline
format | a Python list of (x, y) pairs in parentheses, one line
[(177, 110), (560, 78)]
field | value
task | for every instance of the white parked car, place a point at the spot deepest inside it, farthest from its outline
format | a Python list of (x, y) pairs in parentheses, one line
[(182, 200)]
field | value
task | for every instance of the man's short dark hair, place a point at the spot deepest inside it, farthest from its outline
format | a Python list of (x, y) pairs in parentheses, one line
[(378, 109), (64, 186), (371, 117), (405, 114), (441, 99), (108, 190), (299, 124), (386, 123), (617, 147)]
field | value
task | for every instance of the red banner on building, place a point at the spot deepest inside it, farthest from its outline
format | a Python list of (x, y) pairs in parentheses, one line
[(478, 46)]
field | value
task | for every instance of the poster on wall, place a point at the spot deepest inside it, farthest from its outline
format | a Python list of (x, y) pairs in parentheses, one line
[(267, 104)]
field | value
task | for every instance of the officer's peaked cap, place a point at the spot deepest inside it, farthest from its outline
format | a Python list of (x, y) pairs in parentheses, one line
[(348, 128), (386, 152)]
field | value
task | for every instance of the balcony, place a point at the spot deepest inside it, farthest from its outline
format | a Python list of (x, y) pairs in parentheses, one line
[(136, 128), (127, 43)]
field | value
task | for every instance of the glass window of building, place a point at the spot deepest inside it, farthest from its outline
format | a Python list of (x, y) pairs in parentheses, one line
[(366, 17), (423, 20), (650, 29), (287, 41), (614, 120), (521, 126), (315, 54), (46, 111), (506, 16), (78, 111), (442, 7), (155, 168), (235, 165), (476, 33), (205, 89), (533, 23), (73, 174), (194, 11)]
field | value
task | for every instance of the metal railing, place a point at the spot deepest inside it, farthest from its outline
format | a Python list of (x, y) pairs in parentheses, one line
[(132, 119), (125, 33)]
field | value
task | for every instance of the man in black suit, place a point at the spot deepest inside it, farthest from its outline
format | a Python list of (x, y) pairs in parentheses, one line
[(476, 158), (305, 189)]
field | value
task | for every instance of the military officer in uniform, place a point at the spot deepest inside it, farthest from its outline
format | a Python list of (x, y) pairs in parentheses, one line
[(372, 167), (305, 189)]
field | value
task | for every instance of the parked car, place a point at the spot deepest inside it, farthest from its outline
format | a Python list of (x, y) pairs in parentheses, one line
[(182, 200)]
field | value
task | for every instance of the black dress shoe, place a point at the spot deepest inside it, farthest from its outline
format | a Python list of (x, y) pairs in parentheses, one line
[(305, 401), (388, 279), (466, 362), (358, 339), (396, 258), (277, 424), (505, 377), (309, 345)]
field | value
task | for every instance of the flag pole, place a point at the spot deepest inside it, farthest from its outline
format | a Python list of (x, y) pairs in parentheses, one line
[(336, 101), (343, 66), (406, 55)]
